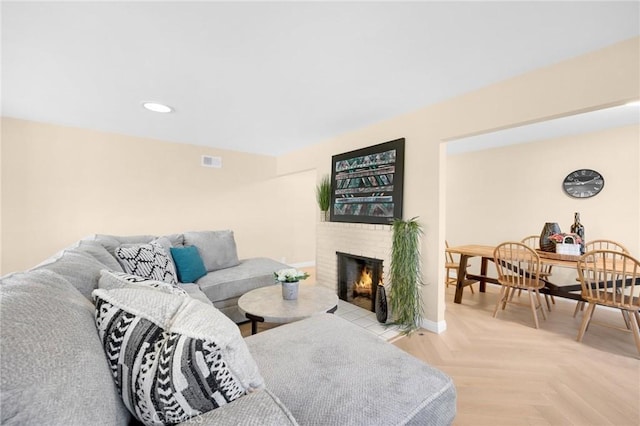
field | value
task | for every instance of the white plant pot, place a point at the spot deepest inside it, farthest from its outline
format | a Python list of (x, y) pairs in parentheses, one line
[(290, 290)]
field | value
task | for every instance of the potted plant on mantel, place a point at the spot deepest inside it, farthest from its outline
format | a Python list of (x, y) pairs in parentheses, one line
[(406, 276), (323, 196)]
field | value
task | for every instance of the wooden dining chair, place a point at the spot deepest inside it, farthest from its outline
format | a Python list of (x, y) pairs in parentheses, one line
[(518, 269), (610, 278), (452, 266), (603, 245), (533, 241)]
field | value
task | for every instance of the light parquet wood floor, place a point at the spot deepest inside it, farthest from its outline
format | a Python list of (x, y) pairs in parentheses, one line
[(508, 373)]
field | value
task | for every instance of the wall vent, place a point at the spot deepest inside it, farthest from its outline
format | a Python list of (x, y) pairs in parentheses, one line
[(209, 161)]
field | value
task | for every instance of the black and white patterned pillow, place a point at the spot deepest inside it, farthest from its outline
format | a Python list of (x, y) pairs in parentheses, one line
[(110, 280), (147, 260), (169, 359)]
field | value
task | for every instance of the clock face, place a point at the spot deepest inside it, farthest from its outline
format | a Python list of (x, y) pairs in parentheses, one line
[(583, 183)]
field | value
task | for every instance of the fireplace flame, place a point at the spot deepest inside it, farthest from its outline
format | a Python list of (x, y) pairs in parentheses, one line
[(364, 284)]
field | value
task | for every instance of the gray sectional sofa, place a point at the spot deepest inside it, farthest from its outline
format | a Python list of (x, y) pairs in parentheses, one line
[(227, 277), (74, 351)]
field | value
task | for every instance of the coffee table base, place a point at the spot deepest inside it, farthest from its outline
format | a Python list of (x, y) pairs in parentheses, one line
[(256, 319)]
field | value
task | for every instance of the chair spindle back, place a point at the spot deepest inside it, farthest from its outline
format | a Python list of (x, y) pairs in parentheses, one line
[(517, 265), (610, 278)]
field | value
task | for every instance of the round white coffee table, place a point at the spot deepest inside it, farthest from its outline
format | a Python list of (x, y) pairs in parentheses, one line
[(266, 304)]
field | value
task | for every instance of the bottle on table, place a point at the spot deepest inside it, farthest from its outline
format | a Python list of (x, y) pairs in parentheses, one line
[(578, 229)]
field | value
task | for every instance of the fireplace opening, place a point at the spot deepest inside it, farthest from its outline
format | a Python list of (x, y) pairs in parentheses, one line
[(358, 278)]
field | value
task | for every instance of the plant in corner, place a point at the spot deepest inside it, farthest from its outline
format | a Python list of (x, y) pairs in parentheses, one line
[(323, 195), (406, 276)]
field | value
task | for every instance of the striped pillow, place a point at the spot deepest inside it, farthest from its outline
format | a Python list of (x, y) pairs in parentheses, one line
[(172, 357)]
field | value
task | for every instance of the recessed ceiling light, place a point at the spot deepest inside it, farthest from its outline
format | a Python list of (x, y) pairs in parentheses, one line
[(156, 107)]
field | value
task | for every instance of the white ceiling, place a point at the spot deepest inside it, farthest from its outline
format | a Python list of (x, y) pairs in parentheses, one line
[(272, 77)]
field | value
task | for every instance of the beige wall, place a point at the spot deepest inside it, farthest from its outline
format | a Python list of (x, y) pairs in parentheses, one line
[(606, 77), (1, 198), (60, 184), (508, 193)]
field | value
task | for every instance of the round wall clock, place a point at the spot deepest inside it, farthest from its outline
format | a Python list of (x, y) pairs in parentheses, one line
[(583, 183)]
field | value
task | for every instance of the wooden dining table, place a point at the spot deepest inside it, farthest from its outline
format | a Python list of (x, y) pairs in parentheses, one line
[(485, 252)]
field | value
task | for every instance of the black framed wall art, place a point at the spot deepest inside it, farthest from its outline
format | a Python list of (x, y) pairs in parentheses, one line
[(366, 184)]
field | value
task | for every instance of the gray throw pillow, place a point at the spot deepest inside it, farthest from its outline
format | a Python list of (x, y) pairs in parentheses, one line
[(217, 248), (147, 260), (172, 357)]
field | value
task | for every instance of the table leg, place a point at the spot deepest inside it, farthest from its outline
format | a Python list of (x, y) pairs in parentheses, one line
[(254, 322), (461, 277), (483, 272)]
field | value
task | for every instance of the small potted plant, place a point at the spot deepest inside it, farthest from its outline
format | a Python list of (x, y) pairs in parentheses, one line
[(323, 196), (290, 278)]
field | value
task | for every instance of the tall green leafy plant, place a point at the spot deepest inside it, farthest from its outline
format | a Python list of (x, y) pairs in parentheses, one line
[(406, 276), (323, 194)]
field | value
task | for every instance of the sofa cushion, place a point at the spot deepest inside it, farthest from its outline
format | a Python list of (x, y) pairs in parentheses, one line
[(176, 240), (52, 366), (189, 265), (110, 280), (261, 408), (80, 264), (194, 291), (172, 357), (234, 282), (112, 242), (98, 252), (147, 260), (217, 248), (349, 365)]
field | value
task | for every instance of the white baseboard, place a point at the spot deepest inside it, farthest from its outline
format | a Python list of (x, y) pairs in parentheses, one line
[(307, 264), (434, 327)]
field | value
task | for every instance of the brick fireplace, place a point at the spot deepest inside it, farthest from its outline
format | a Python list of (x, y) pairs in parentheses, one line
[(358, 239)]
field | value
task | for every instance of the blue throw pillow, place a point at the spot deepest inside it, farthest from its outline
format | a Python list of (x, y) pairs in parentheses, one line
[(188, 262)]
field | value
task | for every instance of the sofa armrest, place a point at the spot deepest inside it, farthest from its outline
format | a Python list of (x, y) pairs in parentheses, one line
[(257, 408)]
